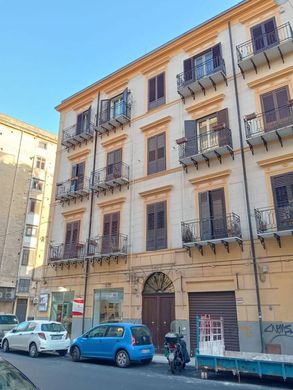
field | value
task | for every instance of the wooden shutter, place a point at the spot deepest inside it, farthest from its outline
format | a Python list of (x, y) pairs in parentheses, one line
[(271, 33), (218, 213), (80, 174), (152, 155), (88, 118), (151, 231), (152, 90), (217, 57), (205, 216), (125, 110), (223, 135), (282, 186), (284, 114), (257, 38), (68, 233), (188, 69), (268, 105), (160, 86), (161, 152), (105, 111), (75, 231), (161, 225), (79, 124), (110, 165), (190, 131)]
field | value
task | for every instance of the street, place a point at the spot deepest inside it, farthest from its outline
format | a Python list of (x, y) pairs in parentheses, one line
[(50, 371)]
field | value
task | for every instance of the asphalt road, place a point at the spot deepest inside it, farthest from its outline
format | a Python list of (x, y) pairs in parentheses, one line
[(51, 372)]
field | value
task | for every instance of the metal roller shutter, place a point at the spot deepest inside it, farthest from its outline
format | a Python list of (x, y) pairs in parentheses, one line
[(217, 304)]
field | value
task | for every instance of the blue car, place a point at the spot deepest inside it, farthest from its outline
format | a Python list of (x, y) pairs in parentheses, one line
[(121, 342)]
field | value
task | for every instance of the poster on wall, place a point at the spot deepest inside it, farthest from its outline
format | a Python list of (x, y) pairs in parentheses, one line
[(77, 307), (43, 302)]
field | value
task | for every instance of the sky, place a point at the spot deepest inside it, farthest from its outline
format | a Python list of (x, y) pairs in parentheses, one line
[(51, 49)]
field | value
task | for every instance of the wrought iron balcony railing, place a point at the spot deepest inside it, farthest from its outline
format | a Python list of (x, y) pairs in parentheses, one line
[(61, 252), (73, 135), (114, 116), (209, 229), (200, 71), (274, 219), (110, 176), (258, 124), (110, 245), (266, 41), (72, 188), (205, 142)]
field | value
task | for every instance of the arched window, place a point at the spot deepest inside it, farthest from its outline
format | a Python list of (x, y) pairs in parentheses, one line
[(158, 283)]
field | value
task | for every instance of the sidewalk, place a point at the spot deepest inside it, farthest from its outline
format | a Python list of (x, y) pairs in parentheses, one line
[(161, 359)]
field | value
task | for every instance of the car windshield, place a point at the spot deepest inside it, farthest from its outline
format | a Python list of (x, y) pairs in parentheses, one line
[(53, 327), (12, 379), (142, 335), (8, 320)]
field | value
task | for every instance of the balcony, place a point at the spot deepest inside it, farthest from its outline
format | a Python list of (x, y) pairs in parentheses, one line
[(107, 178), (66, 253), (73, 189), (204, 147), (269, 126), (108, 247), (114, 117), (211, 232), (73, 136), (266, 48), (274, 222), (201, 77)]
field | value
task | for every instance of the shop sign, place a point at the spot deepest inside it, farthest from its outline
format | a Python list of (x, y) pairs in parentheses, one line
[(43, 302), (77, 307)]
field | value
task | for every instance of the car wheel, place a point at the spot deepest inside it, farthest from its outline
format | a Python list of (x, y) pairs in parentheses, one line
[(63, 352), (122, 359), (75, 354), (5, 346), (33, 350)]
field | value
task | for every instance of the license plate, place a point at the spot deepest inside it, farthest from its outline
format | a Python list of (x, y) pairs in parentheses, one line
[(56, 337), (145, 351)]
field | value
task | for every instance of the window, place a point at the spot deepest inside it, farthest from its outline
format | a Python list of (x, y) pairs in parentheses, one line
[(42, 145), (52, 327), (34, 206), (212, 208), (202, 65), (114, 164), (282, 186), (156, 91), (31, 327), (24, 285), (71, 239), (37, 184), (99, 331), (40, 162), (61, 308), (83, 122), (156, 226), (156, 153), (114, 108), (110, 243), (31, 231), (276, 109), (22, 327), (27, 256), (115, 331), (264, 35), (108, 305), (77, 176)]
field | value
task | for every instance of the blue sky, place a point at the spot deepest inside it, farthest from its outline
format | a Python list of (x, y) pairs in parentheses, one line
[(52, 49)]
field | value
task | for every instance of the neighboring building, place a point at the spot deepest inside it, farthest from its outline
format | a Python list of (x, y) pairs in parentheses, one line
[(151, 221), (27, 160)]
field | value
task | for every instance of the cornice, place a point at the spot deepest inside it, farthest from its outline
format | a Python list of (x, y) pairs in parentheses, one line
[(113, 141), (270, 77), (212, 176), (112, 202), (276, 160), (71, 213), (157, 123), (79, 155), (254, 13), (154, 65), (198, 107), (156, 191)]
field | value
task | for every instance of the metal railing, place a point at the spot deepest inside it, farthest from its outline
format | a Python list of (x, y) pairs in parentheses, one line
[(73, 187), (200, 71), (212, 228), (271, 219), (108, 245), (205, 142), (116, 111), (73, 131), (110, 173), (264, 42), (257, 124), (66, 251)]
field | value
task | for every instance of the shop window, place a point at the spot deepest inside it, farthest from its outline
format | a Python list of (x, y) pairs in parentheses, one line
[(108, 305), (61, 309)]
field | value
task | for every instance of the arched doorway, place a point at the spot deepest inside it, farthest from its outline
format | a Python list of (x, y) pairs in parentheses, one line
[(158, 306)]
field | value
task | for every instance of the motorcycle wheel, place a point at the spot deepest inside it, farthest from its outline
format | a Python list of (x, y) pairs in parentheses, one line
[(176, 367)]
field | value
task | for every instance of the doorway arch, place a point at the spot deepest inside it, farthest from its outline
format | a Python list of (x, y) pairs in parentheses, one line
[(158, 306)]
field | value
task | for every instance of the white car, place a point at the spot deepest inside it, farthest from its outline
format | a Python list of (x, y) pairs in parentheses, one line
[(37, 336)]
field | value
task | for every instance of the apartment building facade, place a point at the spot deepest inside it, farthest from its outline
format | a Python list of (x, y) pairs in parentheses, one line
[(173, 187), (27, 162)]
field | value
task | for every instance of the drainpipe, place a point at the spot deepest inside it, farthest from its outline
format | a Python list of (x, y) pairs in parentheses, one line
[(90, 222), (251, 239)]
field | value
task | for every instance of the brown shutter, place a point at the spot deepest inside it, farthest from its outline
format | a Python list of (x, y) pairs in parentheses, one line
[(152, 155), (79, 124), (205, 216), (151, 232), (68, 233), (282, 186), (107, 224), (125, 109), (80, 174), (257, 38), (282, 101), (161, 152), (271, 32), (105, 111), (152, 90), (161, 225), (223, 135), (188, 69), (268, 105), (190, 130), (160, 86), (117, 169), (75, 231), (216, 50), (218, 213), (110, 165)]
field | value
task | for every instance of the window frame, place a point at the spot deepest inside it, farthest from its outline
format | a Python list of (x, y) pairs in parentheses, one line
[(29, 252), (40, 162), (36, 209), (156, 245), (158, 101), (37, 181), (32, 227), (24, 288), (156, 160)]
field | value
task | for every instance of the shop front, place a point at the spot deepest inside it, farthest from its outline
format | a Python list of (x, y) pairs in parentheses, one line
[(108, 304), (61, 308)]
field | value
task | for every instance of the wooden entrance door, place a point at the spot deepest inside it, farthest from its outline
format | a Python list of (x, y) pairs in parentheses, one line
[(158, 311), (21, 307)]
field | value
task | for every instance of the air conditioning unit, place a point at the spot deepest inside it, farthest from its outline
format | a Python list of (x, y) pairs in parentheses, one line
[(35, 300)]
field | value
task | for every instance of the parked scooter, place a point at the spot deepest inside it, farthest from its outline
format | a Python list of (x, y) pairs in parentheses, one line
[(176, 352)]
